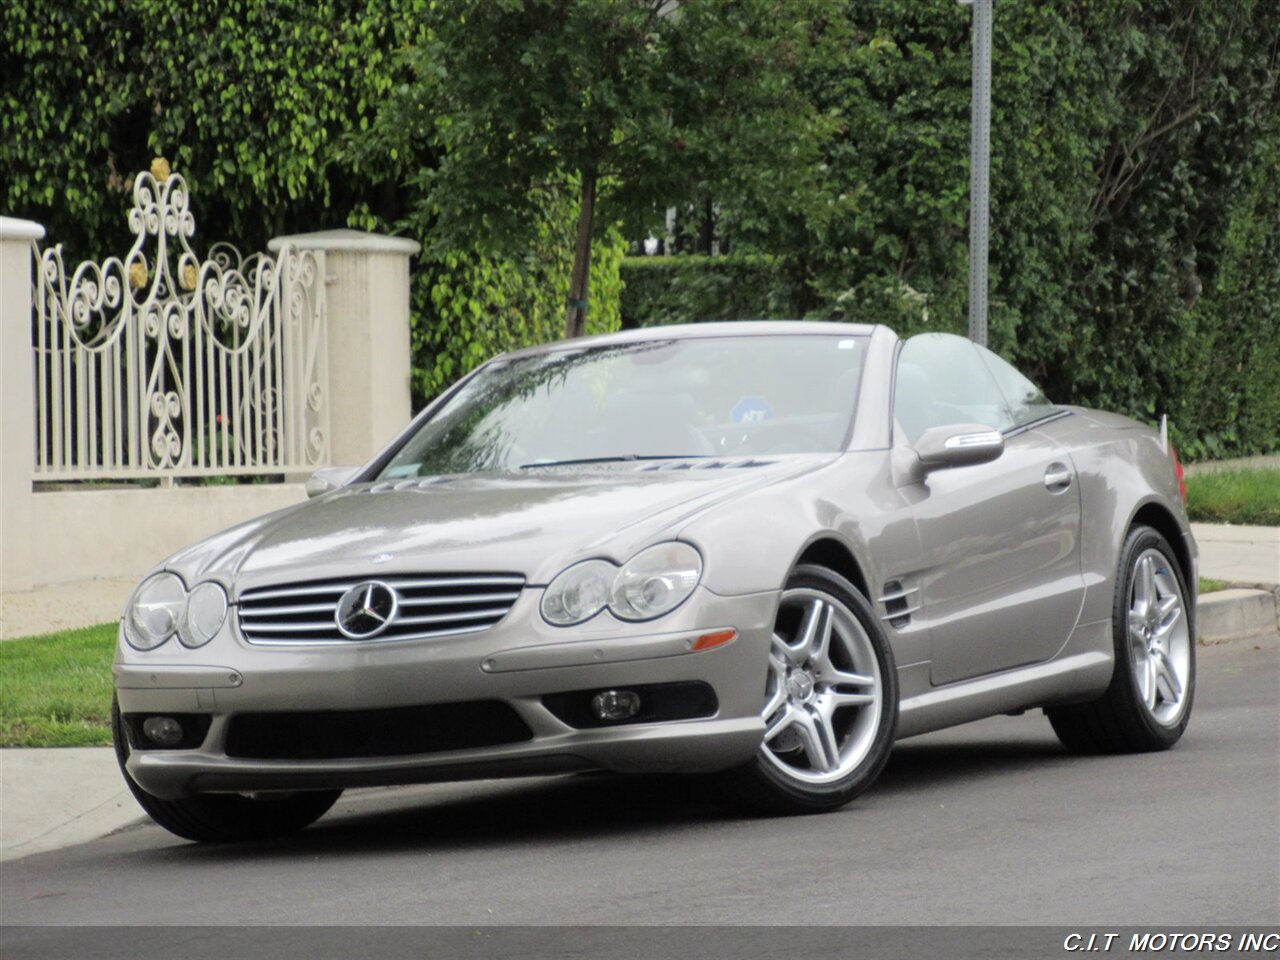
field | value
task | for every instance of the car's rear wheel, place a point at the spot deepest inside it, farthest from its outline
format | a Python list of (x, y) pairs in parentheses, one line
[(830, 701), (224, 818), (1148, 704)]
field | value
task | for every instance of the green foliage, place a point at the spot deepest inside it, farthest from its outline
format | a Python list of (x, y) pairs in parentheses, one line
[(648, 99), (632, 101), (687, 289), (1135, 247)]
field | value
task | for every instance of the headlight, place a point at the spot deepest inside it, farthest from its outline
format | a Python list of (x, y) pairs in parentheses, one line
[(154, 611), (578, 593), (655, 581), (202, 619)]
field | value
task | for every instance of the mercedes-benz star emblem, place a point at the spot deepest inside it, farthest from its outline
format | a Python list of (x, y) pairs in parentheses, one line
[(366, 610)]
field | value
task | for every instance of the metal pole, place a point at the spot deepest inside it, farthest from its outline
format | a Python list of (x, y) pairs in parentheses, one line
[(979, 169)]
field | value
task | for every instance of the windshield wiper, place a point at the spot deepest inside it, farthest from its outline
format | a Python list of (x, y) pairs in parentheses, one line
[(623, 459)]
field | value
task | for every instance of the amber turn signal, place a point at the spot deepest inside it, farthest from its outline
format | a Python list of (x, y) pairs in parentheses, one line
[(717, 638)]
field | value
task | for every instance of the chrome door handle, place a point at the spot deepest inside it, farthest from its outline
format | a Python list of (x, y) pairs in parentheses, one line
[(1057, 477)]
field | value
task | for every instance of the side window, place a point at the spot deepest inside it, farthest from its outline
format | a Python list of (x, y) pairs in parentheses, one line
[(1025, 399), (942, 380)]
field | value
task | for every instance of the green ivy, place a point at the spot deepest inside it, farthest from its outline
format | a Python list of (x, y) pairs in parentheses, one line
[(469, 306), (263, 108)]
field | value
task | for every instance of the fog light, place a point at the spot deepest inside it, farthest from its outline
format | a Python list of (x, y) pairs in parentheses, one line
[(616, 704), (162, 731)]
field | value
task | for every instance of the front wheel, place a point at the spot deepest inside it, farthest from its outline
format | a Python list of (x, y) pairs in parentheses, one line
[(1148, 704), (219, 817), (830, 701)]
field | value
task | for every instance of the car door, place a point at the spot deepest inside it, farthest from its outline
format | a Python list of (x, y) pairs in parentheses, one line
[(999, 579)]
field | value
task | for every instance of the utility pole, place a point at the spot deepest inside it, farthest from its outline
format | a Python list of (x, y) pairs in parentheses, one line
[(979, 169)]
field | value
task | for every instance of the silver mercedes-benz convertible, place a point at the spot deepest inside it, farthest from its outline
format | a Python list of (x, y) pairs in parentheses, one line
[(764, 551)]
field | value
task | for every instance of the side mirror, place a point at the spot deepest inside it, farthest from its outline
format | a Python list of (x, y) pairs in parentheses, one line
[(327, 479), (958, 445)]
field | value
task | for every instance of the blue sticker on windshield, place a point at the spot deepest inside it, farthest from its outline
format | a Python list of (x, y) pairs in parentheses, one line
[(751, 410)]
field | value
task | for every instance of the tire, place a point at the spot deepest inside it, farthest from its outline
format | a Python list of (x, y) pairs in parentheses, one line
[(847, 688), (223, 818), (1148, 703)]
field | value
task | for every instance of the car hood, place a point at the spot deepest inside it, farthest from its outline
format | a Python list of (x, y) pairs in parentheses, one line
[(533, 524)]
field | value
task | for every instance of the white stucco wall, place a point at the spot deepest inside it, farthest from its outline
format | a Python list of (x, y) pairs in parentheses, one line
[(89, 533)]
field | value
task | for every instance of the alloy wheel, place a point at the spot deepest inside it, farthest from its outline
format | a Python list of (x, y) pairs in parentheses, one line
[(1159, 637), (823, 694)]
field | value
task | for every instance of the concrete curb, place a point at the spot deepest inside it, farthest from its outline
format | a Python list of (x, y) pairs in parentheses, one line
[(1237, 614)]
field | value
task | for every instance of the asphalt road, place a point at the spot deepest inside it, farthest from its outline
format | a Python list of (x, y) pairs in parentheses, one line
[(991, 823)]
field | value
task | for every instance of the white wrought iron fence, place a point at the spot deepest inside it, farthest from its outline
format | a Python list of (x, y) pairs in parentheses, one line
[(162, 364)]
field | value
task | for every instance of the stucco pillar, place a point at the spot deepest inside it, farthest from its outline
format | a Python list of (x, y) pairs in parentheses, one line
[(367, 317), (17, 402)]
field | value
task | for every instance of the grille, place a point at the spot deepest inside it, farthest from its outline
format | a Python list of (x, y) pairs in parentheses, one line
[(427, 606), (388, 732)]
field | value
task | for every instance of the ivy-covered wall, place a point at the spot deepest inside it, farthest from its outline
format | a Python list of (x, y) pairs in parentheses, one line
[(262, 108)]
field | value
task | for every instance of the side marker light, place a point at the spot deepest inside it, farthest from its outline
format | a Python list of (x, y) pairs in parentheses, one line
[(717, 638)]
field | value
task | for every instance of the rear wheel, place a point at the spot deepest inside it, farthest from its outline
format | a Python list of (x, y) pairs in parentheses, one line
[(830, 701), (224, 818), (1148, 704)]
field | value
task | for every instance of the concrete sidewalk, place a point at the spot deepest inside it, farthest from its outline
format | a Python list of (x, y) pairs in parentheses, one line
[(1244, 555), (56, 798)]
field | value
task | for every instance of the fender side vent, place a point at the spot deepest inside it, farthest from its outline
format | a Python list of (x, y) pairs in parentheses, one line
[(899, 602)]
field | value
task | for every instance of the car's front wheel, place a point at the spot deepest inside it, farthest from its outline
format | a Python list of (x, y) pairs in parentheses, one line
[(830, 700), (1148, 703), (224, 818)]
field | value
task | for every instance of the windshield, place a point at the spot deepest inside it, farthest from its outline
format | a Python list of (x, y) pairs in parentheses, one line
[(657, 399)]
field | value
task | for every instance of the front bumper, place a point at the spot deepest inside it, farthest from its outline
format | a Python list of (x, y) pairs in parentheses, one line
[(517, 662)]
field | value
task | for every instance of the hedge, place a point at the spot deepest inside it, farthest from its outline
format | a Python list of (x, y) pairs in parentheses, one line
[(688, 289), (1135, 198)]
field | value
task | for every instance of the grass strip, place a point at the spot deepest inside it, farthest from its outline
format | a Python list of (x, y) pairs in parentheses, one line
[(55, 689), (1237, 496)]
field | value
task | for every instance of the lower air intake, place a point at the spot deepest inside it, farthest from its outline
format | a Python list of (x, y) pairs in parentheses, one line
[(391, 732)]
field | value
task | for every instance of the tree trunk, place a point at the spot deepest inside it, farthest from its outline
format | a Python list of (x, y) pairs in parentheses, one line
[(575, 321)]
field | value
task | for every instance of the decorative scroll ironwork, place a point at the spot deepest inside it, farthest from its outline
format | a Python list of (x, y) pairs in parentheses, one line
[(160, 363)]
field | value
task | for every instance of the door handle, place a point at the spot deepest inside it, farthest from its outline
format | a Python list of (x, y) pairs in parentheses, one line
[(1057, 477)]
